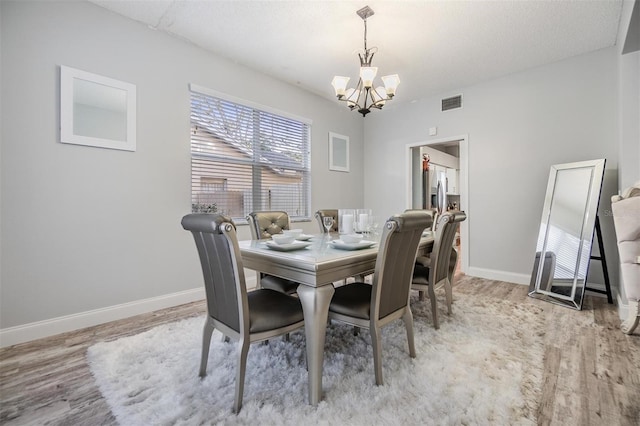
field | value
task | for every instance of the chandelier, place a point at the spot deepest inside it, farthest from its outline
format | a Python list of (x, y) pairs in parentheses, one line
[(365, 97)]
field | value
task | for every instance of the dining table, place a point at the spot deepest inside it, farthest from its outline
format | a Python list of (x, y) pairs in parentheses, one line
[(316, 264)]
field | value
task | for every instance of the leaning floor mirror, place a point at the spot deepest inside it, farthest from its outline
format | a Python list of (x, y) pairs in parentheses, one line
[(564, 242)]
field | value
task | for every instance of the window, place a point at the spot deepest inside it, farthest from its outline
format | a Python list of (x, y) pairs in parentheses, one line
[(245, 158), (210, 184)]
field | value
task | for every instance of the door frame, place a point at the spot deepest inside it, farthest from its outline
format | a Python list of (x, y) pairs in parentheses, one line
[(463, 141)]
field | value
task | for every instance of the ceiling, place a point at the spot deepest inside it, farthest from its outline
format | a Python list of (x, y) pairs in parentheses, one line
[(435, 46)]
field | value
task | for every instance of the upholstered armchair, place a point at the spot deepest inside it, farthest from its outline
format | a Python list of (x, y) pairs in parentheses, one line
[(626, 218)]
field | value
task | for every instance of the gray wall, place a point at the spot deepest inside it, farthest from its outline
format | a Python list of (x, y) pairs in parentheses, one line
[(628, 102), (517, 127), (87, 228), (629, 95)]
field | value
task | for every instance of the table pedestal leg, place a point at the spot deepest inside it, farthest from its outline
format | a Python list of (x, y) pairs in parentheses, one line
[(315, 304)]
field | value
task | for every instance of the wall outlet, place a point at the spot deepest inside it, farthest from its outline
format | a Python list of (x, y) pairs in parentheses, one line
[(433, 131)]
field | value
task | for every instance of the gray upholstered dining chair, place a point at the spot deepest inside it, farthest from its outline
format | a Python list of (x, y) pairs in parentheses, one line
[(437, 269), (433, 214), (239, 315), (263, 225), (320, 215), (387, 299)]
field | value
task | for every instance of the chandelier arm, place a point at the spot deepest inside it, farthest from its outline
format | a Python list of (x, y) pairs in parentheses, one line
[(359, 88), (373, 99)]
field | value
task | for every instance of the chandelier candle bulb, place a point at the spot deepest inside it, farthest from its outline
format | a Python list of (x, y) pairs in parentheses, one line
[(367, 74), (391, 84), (339, 84)]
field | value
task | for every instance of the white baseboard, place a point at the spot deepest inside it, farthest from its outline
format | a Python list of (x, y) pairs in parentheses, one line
[(492, 274), (623, 307), (40, 329), (596, 286), (37, 330)]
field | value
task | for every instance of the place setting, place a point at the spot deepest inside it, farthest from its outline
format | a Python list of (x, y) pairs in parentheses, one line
[(289, 240), (351, 242), (354, 225)]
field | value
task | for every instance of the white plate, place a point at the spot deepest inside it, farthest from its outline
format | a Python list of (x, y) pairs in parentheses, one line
[(339, 244), (296, 245), (304, 237)]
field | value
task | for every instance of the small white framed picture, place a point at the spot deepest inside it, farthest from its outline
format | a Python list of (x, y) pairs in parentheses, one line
[(338, 152), (96, 110)]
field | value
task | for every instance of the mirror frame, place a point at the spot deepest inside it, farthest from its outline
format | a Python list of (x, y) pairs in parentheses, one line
[(67, 135), (575, 299)]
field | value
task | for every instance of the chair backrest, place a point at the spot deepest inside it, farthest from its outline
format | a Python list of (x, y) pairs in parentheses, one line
[(320, 214), (265, 224), (394, 264), (224, 281), (433, 214), (441, 253)]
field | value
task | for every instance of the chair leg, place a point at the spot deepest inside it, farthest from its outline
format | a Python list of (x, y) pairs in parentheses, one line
[(377, 354), (408, 324), (243, 350), (206, 342), (449, 293), (453, 263), (434, 306)]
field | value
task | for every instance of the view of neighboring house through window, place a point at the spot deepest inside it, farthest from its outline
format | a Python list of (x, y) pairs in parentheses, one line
[(245, 159)]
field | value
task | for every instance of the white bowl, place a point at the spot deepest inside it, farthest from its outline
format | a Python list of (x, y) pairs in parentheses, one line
[(283, 239), (351, 238), (295, 233)]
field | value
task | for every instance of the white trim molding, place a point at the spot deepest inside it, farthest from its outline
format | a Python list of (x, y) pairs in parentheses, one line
[(493, 274), (463, 141), (623, 306), (41, 329)]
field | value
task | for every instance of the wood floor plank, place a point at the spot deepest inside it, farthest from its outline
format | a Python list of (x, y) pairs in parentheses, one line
[(549, 385), (591, 369)]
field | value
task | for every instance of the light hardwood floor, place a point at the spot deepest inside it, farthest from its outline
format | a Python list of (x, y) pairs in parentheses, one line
[(592, 370)]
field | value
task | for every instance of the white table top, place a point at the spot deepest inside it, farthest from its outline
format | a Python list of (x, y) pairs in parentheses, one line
[(318, 264)]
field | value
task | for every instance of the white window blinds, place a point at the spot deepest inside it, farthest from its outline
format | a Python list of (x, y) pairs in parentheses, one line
[(244, 159)]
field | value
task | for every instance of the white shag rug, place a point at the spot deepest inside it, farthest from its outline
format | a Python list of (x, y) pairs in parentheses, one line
[(482, 367)]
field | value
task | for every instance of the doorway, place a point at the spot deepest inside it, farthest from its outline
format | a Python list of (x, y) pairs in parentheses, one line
[(456, 146)]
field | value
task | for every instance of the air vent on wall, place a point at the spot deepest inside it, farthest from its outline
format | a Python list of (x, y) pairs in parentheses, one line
[(453, 102)]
